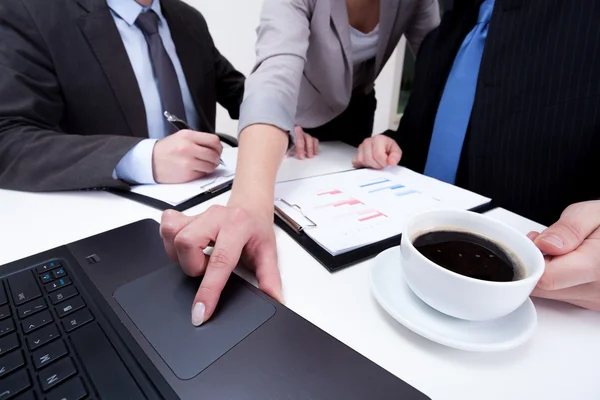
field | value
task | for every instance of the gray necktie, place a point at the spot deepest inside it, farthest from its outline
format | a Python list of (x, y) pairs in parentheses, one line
[(168, 85)]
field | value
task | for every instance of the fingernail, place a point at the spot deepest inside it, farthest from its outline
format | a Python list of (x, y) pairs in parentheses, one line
[(531, 235), (198, 314), (552, 240)]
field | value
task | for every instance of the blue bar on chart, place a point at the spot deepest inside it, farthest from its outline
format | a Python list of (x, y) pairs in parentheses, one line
[(393, 187), (406, 193), (374, 183)]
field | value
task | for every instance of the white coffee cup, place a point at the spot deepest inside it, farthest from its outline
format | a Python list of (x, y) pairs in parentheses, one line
[(460, 296)]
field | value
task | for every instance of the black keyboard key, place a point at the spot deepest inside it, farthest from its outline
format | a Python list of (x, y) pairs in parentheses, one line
[(36, 321), (4, 312), (63, 294), (8, 343), (57, 284), (70, 306), (48, 354), (3, 297), (11, 362), (42, 336), (56, 373), (26, 396), (6, 326), (59, 273), (70, 390), (47, 277), (14, 384), (24, 288), (48, 266), (77, 319), (31, 308)]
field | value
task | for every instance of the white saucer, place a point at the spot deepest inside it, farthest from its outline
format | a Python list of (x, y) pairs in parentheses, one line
[(395, 296)]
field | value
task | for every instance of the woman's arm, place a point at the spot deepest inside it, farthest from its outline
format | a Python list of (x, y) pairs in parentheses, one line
[(261, 150), (271, 94), (244, 229), (426, 19)]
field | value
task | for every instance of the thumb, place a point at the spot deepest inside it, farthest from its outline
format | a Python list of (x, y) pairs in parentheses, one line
[(533, 235), (576, 223), (394, 153)]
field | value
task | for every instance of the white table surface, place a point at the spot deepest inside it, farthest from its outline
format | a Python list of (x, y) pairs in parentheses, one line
[(559, 362)]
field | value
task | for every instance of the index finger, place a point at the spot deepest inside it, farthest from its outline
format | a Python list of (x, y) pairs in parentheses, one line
[(309, 143), (204, 139), (380, 153), (300, 147), (223, 260)]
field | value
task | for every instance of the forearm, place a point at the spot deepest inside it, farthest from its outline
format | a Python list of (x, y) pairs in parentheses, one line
[(33, 159), (261, 150)]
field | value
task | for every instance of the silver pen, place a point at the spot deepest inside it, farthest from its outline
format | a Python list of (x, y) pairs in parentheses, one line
[(181, 124)]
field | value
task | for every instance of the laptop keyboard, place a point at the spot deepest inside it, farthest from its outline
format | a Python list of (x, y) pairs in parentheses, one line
[(40, 311)]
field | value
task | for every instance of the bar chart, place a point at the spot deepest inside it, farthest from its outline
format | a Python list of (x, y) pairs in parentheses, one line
[(336, 206)]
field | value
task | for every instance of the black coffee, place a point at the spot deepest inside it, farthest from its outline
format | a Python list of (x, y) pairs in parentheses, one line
[(469, 255)]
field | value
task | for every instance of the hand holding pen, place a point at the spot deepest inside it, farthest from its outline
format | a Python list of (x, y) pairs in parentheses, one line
[(185, 156), (181, 124)]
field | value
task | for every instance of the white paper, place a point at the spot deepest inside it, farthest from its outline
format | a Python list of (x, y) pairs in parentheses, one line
[(175, 194), (333, 157), (356, 208)]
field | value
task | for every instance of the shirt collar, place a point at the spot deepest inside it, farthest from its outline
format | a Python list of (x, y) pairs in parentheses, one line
[(129, 10)]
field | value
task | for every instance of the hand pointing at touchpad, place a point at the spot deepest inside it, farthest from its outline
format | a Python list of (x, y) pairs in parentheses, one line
[(235, 233)]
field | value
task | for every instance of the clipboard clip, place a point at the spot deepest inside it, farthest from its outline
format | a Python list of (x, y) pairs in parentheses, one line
[(219, 187), (290, 221)]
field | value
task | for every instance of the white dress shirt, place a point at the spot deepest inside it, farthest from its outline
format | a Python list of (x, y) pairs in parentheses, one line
[(136, 165)]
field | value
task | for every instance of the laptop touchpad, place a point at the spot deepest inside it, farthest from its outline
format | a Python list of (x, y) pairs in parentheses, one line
[(160, 305)]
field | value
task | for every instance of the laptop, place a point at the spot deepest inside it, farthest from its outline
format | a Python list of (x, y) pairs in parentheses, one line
[(108, 317)]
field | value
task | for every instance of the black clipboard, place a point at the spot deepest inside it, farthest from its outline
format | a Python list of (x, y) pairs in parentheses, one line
[(161, 205), (344, 260), (194, 201)]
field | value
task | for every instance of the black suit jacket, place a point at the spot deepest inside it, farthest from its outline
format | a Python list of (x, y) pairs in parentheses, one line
[(533, 144), (70, 105)]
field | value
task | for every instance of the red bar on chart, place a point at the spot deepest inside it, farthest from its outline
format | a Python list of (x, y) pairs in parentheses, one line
[(332, 192), (350, 202), (377, 215)]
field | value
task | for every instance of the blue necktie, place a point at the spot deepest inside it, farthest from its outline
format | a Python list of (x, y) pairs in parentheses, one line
[(454, 110)]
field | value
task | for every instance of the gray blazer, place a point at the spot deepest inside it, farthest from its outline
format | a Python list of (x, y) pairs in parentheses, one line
[(304, 70)]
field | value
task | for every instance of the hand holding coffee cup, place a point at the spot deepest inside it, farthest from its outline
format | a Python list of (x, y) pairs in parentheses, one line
[(467, 265), (572, 250)]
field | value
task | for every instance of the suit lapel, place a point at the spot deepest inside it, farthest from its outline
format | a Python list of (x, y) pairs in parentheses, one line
[(195, 56), (387, 19), (103, 37), (339, 16)]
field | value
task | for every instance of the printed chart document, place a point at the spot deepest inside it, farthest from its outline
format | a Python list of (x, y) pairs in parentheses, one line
[(333, 157), (349, 210), (178, 193)]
